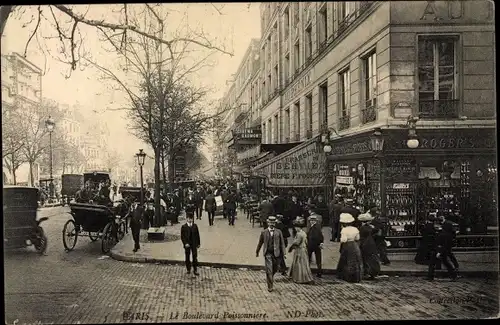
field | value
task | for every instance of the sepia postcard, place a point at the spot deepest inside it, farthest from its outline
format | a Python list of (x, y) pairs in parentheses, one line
[(249, 162)]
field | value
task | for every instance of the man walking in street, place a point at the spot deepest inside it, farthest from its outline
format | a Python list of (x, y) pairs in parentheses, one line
[(210, 207), (380, 230), (190, 237), (199, 195), (315, 242), (335, 206), (177, 203), (273, 247), (231, 207), (135, 224)]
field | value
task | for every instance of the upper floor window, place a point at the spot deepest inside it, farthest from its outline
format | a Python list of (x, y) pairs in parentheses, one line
[(296, 13), (437, 76), (345, 14), (296, 56), (286, 23), (322, 25), (323, 104), (308, 42), (345, 99), (368, 112)]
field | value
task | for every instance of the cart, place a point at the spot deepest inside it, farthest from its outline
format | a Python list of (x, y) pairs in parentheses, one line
[(96, 222), (21, 228)]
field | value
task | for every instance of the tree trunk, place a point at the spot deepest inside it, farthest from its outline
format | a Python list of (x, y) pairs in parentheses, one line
[(157, 187), (32, 177), (171, 172), (164, 171), (5, 11), (14, 177)]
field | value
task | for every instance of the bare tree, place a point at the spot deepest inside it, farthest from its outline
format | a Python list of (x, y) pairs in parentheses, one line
[(12, 141), (66, 21), (161, 100)]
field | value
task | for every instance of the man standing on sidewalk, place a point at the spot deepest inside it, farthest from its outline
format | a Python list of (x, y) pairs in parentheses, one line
[(199, 195), (273, 246), (315, 242), (210, 207), (231, 206), (190, 237)]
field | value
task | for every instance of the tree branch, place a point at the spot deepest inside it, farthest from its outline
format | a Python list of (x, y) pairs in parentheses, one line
[(34, 31)]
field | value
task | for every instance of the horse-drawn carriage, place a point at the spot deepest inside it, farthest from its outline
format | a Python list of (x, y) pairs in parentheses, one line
[(21, 228), (70, 184), (104, 221)]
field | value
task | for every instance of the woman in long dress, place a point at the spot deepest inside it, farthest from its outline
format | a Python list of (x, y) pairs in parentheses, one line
[(300, 271), (369, 251), (350, 266)]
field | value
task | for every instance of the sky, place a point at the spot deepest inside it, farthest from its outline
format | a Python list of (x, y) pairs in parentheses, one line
[(232, 28)]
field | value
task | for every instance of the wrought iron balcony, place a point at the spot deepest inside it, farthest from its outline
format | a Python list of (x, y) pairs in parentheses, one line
[(369, 113), (447, 108), (345, 122)]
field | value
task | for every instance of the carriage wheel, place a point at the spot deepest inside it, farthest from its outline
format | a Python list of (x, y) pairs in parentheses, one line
[(70, 235), (108, 240), (93, 235), (40, 241)]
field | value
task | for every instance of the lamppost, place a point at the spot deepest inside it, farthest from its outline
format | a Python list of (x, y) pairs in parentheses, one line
[(412, 141), (140, 161), (377, 144), (326, 139), (50, 124)]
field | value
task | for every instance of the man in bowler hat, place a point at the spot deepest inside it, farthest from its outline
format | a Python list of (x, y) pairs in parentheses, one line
[(315, 242), (190, 237), (273, 246)]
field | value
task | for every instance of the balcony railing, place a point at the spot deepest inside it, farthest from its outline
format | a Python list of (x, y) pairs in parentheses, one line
[(344, 122), (438, 108), (369, 113)]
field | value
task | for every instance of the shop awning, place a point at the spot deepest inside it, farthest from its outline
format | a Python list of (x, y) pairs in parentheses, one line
[(302, 166)]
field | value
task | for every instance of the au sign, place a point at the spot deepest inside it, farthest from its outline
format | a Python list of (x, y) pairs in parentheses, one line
[(449, 10)]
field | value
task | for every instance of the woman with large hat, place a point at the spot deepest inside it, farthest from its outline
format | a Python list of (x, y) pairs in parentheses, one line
[(369, 252), (350, 266), (300, 271)]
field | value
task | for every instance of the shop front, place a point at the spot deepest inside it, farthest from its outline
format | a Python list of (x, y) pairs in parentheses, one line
[(301, 169), (451, 171)]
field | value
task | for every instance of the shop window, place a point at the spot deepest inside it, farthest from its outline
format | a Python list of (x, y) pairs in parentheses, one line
[(437, 77), (368, 112), (345, 99)]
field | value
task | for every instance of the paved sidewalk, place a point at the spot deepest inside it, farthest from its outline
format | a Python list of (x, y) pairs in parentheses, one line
[(234, 247)]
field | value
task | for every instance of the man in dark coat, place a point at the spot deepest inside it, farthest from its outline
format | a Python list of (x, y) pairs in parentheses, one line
[(199, 196), (190, 237), (265, 210), (190, 204), (349, 208), (379, 233), (279, 205), (336, 205), (286, 234), (223, 194), (441, 252), (177, 203), (231, 207), (137, 213), (210, 207), (315, 242), (273, 246), (322, 210), (294, 209)]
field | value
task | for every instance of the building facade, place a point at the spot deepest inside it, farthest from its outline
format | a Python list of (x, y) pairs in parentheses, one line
[(332, 73), (21, 90)]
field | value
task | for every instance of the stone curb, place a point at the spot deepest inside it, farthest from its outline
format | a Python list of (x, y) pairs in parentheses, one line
[(418, 273), (52, 205)]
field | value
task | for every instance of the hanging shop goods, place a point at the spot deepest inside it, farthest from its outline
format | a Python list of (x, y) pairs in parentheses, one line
[(302, 166), (452, 172)]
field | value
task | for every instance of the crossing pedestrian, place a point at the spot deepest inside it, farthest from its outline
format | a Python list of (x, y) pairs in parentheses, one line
[(300, 270), (273, 247), (350, 265), (135, 224), (190, 237)]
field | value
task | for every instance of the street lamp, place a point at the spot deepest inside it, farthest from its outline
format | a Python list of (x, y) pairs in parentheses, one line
[(50, 124), (140, 161), (412, 141), (326, 138), (377, 142)]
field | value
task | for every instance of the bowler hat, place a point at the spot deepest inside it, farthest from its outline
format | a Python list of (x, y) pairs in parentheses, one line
[(271, 219), (313, 218)]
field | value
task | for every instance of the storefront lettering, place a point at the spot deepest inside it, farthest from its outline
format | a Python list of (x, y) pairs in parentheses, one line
[(348, 148), (455, 11), (298, 86), (449, 143)]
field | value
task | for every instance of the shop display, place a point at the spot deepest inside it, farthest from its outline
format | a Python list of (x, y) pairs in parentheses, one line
[(400, 203)]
